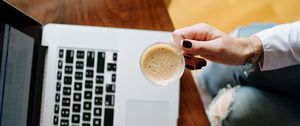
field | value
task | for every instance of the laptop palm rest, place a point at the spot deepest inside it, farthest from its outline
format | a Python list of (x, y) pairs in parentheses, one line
[(147, 113)]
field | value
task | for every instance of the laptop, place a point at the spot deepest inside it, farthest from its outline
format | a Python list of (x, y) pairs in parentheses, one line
[(71, 75)]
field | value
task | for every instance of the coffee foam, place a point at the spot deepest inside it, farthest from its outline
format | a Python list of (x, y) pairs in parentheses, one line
[(162, 63)]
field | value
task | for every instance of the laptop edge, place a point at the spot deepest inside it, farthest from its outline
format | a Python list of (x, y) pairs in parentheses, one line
[(31, 27)]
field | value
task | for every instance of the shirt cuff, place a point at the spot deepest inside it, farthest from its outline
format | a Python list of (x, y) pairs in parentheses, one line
[(278, 47), (263, 36)]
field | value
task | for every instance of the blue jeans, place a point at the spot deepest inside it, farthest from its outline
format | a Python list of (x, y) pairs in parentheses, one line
[(264, 98)]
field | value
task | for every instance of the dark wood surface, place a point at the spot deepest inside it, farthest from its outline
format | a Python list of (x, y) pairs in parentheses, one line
[(136, 14)]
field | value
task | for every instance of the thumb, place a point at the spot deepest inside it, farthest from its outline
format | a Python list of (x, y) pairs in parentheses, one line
[(199, 47)]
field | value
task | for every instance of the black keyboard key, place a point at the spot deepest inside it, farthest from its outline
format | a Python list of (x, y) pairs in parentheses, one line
[(101, 62), (67, 91), (65, 112), (85, 124), (108, 117), (76, 107), (66, 101), (64, 122), (88, 95), (78, 75), (68, 80), (87, 105), (98, 100), (99, 90), (78, 86), (113, 78), (80, 54), (89, 73), (99, 79), (88, 84), (55, 120), (109, 100), (86, 116), (90, 59), (75, 118), (97, 111), (79, 65), (61, 53), (97, 122), (115, 56), (56, 109), (58, 75), (58, 86), (77, 97), (110, 88), (111, 67), (68, 69), (69, 56), (60, 64), (57, 97)]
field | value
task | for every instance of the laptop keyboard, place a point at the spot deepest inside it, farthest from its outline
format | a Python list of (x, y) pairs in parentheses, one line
[(85, 88)]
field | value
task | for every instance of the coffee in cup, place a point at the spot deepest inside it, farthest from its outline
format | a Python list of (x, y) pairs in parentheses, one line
[(162, 63)]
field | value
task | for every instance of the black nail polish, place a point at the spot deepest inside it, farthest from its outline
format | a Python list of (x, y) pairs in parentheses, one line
[(186, 44), (189, 67), (203, 63), (199, 66), (186, 57)]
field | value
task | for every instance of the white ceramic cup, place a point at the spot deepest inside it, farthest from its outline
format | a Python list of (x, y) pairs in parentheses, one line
[(162, 63)]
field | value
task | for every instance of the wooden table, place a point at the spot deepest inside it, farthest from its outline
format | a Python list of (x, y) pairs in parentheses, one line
[(136, 14)]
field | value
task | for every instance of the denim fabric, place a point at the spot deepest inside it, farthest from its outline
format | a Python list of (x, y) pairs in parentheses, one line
[(269, 98), (255, 107), (264, 98)]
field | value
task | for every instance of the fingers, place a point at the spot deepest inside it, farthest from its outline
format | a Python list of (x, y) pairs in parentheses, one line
[(199, 47), (201, 31), (193, 63), (206, 41), (200, 63), (190, 32)]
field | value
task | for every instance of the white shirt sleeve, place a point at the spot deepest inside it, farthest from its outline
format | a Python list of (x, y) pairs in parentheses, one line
[(281, 46)]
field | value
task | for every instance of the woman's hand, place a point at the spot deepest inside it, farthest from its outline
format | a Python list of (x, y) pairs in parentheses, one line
[(211, 44)]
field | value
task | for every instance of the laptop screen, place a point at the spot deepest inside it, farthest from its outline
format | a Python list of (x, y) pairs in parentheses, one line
[(21, 67), (16, 64)]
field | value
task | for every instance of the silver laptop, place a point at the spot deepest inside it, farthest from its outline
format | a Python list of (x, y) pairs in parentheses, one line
[(68, 75)]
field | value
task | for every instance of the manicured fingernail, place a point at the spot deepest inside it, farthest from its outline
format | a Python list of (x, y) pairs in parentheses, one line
[(186, 44), (189, 67), (201, 64), (198, 66), (186, 57)]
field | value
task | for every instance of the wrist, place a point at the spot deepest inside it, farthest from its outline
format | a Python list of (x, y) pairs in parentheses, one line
[(257, 50), (246, 51)]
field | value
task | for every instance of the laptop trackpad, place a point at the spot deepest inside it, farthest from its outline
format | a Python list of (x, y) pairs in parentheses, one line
[(147, 113)]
